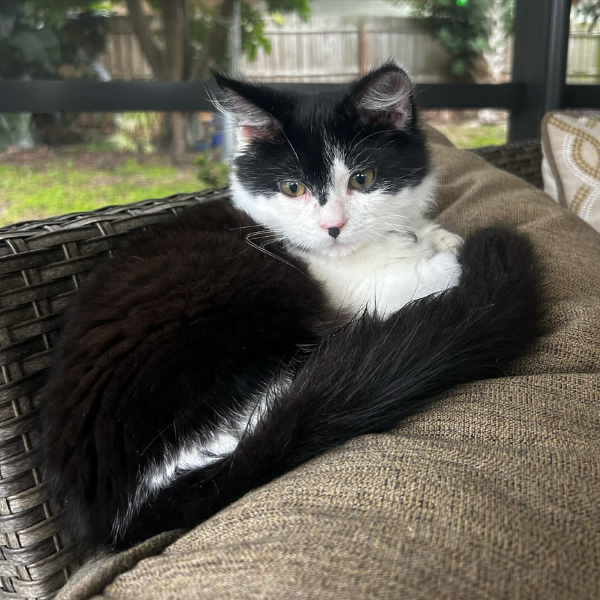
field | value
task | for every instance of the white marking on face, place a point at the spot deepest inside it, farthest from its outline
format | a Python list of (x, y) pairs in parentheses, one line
[(335, 212), (366, 215)]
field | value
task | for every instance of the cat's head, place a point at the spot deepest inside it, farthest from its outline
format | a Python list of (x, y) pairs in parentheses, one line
[(330, 172)]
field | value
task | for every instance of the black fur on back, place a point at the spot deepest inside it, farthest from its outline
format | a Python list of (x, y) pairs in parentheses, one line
[(180, 327), (188, 322)]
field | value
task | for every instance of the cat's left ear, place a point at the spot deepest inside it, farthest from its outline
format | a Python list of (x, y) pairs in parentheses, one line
[(384, 97), (249, 104)]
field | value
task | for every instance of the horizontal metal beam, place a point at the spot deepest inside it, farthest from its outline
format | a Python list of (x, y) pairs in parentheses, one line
[(96, 96), (470, 95), (122, 96), (582, 96)]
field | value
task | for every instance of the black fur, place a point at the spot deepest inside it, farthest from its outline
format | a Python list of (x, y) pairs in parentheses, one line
[(367, 376), (186, 322)]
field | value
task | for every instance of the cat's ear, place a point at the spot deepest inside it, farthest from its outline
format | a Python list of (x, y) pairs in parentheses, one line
[(384, 96), (248, 103)]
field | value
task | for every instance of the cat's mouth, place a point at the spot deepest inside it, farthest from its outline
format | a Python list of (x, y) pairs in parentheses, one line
[(334, 248)]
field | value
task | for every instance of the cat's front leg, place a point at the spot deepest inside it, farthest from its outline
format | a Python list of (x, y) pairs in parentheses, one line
[(441, 239)]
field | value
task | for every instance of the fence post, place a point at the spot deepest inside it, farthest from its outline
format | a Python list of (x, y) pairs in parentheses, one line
[(539, 62), (235, 53), (363, 48)]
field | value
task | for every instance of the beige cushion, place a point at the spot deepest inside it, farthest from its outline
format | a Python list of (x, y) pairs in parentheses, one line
[(571, 164), (491, 493)]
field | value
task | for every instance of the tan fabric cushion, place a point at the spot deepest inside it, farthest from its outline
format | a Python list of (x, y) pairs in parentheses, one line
[(571, 164), (491, 493)]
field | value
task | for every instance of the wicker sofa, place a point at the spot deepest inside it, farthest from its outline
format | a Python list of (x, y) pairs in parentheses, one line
[(42, 264)]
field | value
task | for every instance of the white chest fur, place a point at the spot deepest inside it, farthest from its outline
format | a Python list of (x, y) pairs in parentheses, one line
[(385, 276)]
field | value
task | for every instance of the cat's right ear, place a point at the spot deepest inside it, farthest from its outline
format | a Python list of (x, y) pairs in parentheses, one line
[(384, 97), (247, 102)]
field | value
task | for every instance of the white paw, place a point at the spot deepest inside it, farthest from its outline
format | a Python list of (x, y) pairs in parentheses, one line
[(438, 274), (443, 240)]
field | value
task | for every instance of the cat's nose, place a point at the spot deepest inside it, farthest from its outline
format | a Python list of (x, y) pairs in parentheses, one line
[(334, 230)]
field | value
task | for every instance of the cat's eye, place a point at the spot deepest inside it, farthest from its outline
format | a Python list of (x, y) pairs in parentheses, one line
[(292, 188), (361, 180)]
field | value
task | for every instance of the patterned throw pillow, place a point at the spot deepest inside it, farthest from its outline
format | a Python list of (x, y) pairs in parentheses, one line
[(571, 164)]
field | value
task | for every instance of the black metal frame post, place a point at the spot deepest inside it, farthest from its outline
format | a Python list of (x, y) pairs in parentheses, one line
[(539, 62)]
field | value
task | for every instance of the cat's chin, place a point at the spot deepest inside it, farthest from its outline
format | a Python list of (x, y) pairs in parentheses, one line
[(340, 249), (337, 249)]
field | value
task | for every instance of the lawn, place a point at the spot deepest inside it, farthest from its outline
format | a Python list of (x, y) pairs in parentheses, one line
[(55, 185), (44, 182), (475, 136)]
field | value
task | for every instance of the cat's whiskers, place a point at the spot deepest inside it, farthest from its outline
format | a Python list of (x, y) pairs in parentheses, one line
[(260, 234), (261, 248), (245, 227), (398, 228), (288, 141)]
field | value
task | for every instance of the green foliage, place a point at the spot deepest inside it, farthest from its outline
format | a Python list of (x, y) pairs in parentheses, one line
[(39, 42), (211, 173), (56, 12), (462, 28), (201, 19), (507, 18), (253, 32), (253, 23), (37, 37), (589, 10), (301, 7), (135, 132)]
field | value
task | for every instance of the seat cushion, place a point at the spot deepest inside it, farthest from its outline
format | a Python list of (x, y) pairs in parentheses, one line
[(571, 165), (491, 492)]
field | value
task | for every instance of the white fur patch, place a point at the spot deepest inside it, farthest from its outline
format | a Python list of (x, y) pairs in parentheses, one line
[(368, 217), (387, 275), (375, 262), (202, 451)]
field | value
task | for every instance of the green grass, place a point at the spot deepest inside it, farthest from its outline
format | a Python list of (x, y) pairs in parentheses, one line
[(37, 193), (90, 176), (476, 136)]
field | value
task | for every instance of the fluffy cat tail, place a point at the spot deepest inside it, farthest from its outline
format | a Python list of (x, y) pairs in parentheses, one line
[(370, 374)]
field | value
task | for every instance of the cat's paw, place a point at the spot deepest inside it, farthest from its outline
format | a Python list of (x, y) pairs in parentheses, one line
[(439, 273), (443, 240)]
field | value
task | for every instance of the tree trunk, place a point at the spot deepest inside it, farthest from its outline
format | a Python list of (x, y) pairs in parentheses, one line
[(139, 24), (174, 12), (174, 63), (215, 41)]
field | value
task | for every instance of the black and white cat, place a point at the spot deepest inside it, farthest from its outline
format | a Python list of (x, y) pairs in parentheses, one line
[(218, 350), (347, 182)]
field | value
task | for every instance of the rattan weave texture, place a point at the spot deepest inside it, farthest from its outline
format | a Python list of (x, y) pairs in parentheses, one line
[(42, 264), (523, 159)]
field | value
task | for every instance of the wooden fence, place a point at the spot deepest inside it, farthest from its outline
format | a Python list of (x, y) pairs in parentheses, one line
[(337, 49), (123, 57), (584, 55), (333, 49)]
